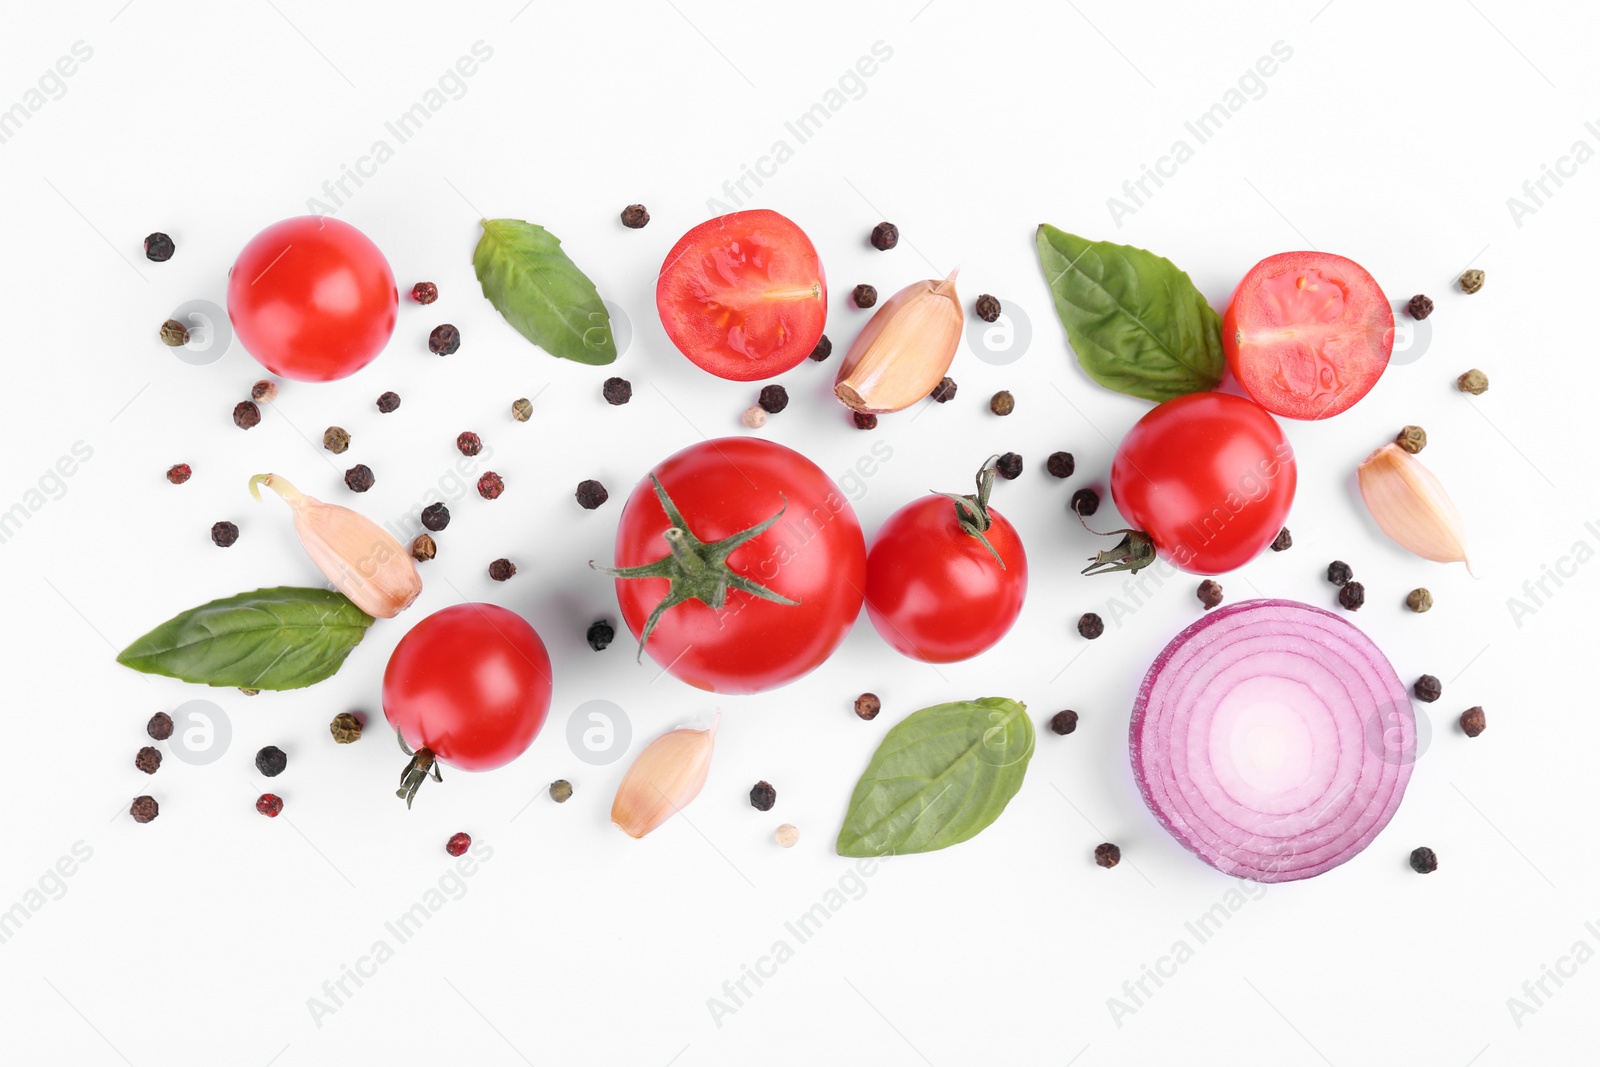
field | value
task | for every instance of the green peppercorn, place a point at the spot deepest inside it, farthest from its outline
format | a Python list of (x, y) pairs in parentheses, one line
[(335, 439), (345, 728), (1412, 438), (1474, 382), (174, 334), (1471, 281), (1003, 403), (1419, 600), (560, 790), (522, 410)]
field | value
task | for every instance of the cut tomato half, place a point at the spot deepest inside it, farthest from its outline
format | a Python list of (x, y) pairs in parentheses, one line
[(743, 295), (1308, 334)]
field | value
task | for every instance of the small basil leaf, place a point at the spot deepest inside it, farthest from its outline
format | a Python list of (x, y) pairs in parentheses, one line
[(939, 777), (530, 281), (282, 638), (1137, 322)]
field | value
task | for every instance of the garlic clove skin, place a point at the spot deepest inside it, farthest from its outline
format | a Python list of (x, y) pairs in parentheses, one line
[(666, 776), (901, 354), (360, 558), (1410, 505)]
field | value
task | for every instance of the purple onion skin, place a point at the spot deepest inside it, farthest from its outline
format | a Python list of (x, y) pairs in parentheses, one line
[(1307, 854)]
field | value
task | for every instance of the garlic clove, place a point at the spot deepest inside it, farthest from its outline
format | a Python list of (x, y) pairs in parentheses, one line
[(902, 353), (360, 558), (1410, 505), (666, 776)]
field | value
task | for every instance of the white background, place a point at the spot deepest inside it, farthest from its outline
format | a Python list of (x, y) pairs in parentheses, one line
[(1394, 135)]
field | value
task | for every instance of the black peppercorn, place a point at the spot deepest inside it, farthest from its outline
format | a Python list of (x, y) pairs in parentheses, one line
[(773, 399), (224, 534), (634, 216), (1085, 502), (271, 761), (444, 340), (491, 485), (424, 292), (148, 759), (1061, 464), (864, 296), (359, 478), (423, 548), (179, 473), (435, 517), (1283, 541), (823, 350), (160, 726), (600, 635), (246, 414), (144, 808), (1064, 722), (1210, 593), (502, 570), (868, 705), (1420, 307), (885, 235), (345, 728), (1107, 855), (1472, 722), (388, 402), (158, 247), (1423, 860), (864, 420), (1352, 595), (1091, 625), (174, 334), (591, 494), (1003, 403), (1427, 688), (763, 796), (1008, 466), (945, 391), (335, 439), (1339, 572), (987, 308), (617, 391)]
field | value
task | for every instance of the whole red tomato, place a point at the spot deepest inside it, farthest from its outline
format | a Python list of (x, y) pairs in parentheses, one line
[(946, 577), (1208, 478), (312, 299), (756, 576), (743, 296), (468, 686)]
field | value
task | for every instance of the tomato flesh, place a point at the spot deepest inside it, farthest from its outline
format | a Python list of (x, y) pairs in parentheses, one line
[(1308, 334), (934, 592), (1208, 477), (743, 295), (471, 683), (312, 299), (814, 555)]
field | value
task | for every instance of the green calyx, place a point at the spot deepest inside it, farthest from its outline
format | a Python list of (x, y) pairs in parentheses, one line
[(972, 509), (696, 569), (1132, 554), (423, 765)]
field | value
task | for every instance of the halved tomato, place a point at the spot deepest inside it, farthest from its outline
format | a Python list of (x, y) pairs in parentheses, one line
[(743, 295), (1308, 334)]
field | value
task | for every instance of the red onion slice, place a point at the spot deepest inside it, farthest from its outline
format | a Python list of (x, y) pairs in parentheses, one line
[(1273, 740)]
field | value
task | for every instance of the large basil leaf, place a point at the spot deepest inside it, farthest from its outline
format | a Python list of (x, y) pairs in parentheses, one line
[(1137, 322), (939, 777), (281, 638), (530, 280)]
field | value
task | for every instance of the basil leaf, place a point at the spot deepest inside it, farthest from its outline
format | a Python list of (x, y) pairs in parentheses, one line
[(281, 638), (1137, 322), (530, 281), (939, 777)]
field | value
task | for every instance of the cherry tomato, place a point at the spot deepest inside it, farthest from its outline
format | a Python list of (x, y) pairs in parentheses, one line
[(814, 556), (934, 591), (1308, 334), (743, 295), (312, 299), (470, 684), (1208, 477)]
